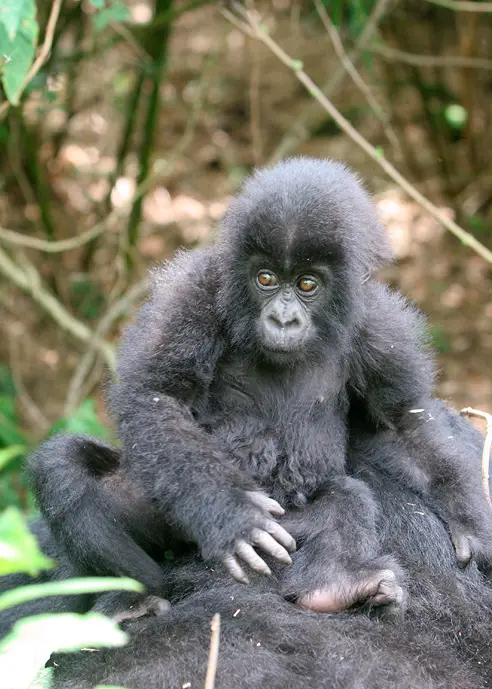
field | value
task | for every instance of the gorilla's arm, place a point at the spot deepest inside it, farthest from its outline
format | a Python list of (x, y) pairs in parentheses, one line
[(395, 377), (166, 362)]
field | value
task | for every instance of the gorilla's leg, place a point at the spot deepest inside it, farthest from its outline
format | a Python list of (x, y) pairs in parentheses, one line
[(101, 522), (330, 574), (311, 582)]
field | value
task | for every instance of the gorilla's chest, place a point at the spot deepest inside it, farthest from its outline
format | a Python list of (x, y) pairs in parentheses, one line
[(272, 395), (275, 423)]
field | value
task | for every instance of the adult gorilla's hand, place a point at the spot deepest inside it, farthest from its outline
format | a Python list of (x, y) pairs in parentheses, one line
[(270, 537)]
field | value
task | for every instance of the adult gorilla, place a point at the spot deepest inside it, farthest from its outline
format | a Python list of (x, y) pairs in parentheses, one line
[(442, 642)]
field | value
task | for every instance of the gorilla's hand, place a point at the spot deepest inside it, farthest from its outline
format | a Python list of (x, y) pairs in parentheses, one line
[(267, 535)]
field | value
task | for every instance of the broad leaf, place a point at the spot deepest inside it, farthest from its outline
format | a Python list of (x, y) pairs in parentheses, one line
[(19, 551), (19, 52), (68, 587), (24, 652), (11, 13)]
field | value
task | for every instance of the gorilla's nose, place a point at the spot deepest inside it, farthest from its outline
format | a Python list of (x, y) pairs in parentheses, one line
[(284, 321)]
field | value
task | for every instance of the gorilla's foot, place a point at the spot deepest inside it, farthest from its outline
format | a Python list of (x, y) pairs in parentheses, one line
[(362, 589), (151, 606), (123, 606)]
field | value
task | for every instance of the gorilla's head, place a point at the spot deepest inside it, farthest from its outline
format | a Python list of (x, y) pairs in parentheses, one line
[(294, 250)]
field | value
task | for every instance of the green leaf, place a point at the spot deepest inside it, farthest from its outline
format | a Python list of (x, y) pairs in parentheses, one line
[(43, 679), (24, 652), (116, 12), (98, 4), (19, 551), (10, 453), (10, 434), (83, 421), (19, 51), (68, 587), (7, 386), (11, 13)]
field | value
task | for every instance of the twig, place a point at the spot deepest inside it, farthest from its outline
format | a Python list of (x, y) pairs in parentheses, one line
[(255, 107), (213, 653), (59, 246), (261, 33), (117, 309), (355, 75), (308, 120), (487, 446), (392, 54), (28, 280), (462, 6), (43, 52), (26, 400)]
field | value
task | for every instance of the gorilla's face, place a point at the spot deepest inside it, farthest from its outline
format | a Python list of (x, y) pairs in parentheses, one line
[(290, 301)]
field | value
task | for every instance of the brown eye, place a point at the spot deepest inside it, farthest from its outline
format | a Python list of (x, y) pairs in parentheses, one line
[(307, 285), (266, 279)]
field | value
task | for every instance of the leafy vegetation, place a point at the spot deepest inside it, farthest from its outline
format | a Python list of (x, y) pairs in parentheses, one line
[(24, 652)]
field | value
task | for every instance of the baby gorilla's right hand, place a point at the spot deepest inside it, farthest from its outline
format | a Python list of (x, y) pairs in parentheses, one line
[(269, 536)]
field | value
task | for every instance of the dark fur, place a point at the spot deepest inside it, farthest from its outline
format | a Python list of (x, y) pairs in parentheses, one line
[(443, 643), (206, 412)]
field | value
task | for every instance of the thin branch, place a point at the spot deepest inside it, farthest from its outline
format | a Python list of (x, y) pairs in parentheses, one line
[(487, 446), (462, 6), (213, 655), (32, 409), (255, 107), (393, 55), (359, 82), (28, 280), (116, 310), (43, 53), (261, 33), (19, 239), (309, 119)]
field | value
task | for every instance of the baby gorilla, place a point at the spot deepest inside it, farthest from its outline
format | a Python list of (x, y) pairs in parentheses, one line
[(235, 386)]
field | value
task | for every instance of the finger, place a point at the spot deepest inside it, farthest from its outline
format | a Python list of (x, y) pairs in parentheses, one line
[(263, 540), (235, 570), (247, 553), (280, 534), (265, 503)]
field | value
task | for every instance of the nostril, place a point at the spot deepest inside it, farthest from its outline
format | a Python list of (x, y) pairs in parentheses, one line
[(292, 323), (275, 321)]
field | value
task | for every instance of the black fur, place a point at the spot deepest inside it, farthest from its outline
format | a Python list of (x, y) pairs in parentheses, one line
[(209, 409), (443, 642)]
